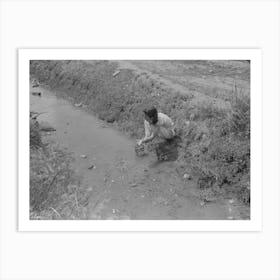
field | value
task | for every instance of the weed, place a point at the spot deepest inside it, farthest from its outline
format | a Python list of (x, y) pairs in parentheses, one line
[(54, 188)]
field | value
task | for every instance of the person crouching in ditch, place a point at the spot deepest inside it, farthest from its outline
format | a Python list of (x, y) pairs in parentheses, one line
[(157, 125)]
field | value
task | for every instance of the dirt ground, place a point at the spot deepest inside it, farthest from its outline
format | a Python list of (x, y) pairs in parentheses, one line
[(122, 186), (204, 79)]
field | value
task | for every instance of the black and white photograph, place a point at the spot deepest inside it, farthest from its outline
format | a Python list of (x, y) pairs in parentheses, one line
[(139, 139)]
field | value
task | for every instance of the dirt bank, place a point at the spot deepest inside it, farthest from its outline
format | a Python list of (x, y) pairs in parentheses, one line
[(209, 102), (118, 184)]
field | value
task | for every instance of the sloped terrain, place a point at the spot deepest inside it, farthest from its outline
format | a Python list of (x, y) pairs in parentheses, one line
[(208, 100)]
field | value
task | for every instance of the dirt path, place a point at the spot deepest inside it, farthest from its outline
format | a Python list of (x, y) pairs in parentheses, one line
[(207, 81), (122, 186)]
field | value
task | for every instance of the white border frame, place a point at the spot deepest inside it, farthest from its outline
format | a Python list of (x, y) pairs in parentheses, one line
[(25, 55)]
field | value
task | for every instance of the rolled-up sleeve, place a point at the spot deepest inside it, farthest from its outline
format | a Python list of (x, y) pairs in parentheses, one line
[(166, 121)]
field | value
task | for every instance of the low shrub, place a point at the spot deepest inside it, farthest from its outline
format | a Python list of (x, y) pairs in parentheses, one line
[(54, 188), (223, 160)]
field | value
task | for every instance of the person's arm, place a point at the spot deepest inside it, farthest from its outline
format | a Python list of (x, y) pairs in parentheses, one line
[(147, 139), (149, 135)]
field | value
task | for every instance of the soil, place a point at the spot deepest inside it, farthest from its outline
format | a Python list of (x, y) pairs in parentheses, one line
[(207, 81), (122, 185)]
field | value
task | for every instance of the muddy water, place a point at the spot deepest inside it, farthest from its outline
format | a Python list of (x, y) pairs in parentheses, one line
[(122, 186)]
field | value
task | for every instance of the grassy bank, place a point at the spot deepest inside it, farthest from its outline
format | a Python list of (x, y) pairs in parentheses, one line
[(54, 187), (216, 138)]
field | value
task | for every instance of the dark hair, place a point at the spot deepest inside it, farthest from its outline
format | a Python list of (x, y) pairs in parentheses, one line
[(152, 114)]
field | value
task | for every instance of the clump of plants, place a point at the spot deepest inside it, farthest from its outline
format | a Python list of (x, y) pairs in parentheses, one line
[(221, 157), (55, 191)]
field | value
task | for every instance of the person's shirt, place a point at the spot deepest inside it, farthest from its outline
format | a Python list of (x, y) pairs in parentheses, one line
[(163, 121)]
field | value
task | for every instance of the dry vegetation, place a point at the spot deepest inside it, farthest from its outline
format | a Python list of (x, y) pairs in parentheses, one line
[(54, 187)]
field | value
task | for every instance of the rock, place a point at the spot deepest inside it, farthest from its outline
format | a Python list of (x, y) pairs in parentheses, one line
[(231, 201), (116, 73), (204, 137), (111, 119), (37, 93), (192, 116), (35, 83), (46, 127), (83, 156), (187, 176)]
